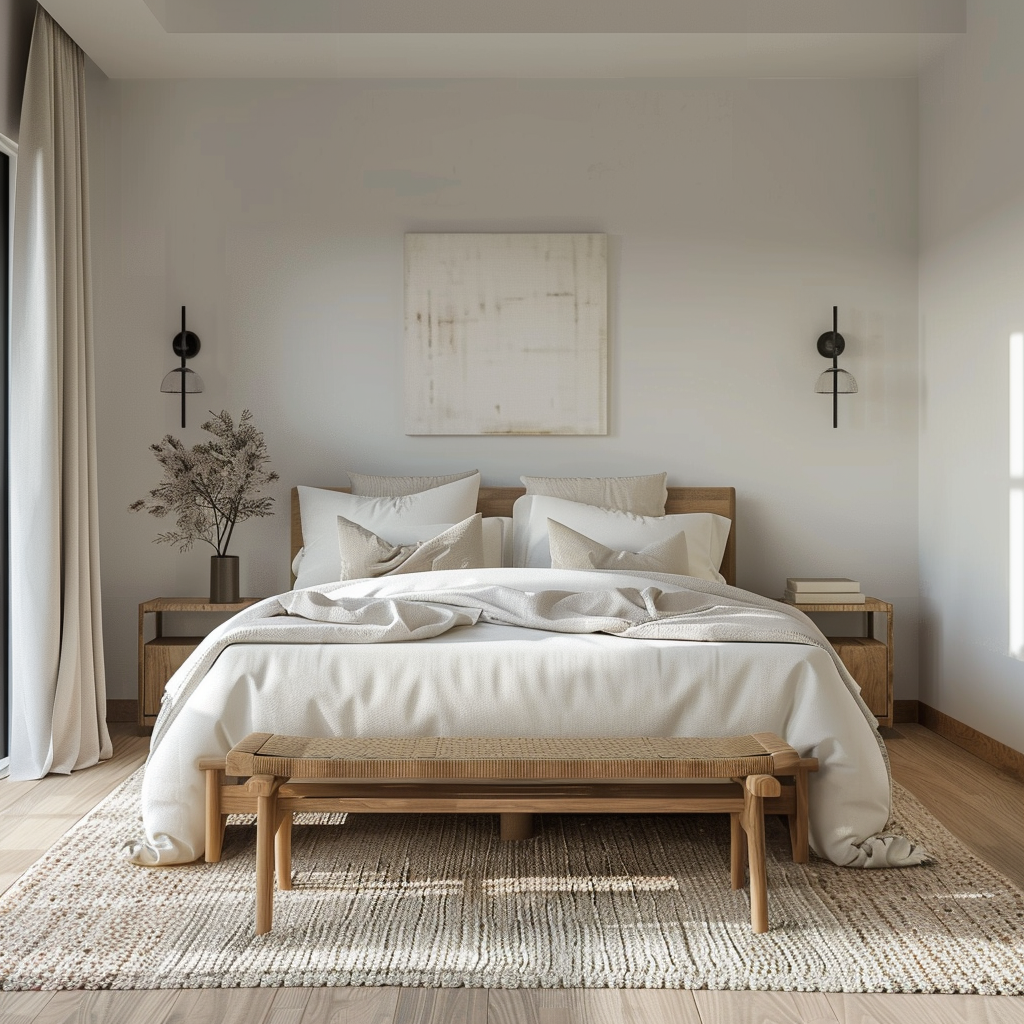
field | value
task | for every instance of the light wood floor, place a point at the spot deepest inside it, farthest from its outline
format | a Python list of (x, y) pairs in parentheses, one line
[(969, 796)]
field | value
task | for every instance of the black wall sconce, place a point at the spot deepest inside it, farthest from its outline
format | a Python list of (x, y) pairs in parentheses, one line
[(834, 382), (181, 380)]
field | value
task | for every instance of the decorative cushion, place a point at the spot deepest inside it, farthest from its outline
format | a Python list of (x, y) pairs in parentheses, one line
[(497, 532), (642, 495), (399, 520), (396, 486), (365, 555), (706, 533), (572, 550)]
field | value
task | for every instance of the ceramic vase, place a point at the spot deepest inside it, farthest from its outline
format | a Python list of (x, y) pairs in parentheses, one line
[(224, 579)]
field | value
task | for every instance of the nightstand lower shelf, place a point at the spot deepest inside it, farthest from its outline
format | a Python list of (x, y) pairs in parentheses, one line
[(163, 656)]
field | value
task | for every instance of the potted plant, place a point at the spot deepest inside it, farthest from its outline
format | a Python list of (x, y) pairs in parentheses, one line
[(211, 487)]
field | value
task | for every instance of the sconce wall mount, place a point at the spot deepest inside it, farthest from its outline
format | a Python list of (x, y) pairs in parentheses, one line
[(831, 344), (186, 344)]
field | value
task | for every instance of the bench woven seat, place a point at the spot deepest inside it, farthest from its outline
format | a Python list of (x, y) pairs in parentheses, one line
[(513, 777), (439, 757)]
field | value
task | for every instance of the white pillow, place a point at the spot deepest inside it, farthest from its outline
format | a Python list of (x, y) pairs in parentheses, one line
[(394, 486), (497, 544), (572, 550), (706, 533), (399, 520), (642, 495)]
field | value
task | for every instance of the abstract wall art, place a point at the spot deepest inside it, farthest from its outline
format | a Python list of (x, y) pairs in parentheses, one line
[(506, 333)]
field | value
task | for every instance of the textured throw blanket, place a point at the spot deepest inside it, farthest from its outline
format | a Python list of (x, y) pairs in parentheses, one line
[(703, 611)]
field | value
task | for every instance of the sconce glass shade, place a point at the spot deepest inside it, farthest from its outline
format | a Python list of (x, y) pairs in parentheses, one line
[(845, 384), (171, 384)]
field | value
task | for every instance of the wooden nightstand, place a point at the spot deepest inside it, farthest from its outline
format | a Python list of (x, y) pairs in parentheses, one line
[(162, 656), (868, 658)]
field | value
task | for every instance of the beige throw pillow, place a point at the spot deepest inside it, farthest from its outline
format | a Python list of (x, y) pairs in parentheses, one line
[(396, 486), (365, 555), (641, 495), (571, 550)]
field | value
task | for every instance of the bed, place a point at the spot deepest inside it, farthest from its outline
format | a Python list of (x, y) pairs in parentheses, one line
[(273, 669)]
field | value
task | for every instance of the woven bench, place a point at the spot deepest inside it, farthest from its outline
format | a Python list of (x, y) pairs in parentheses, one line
[(515, 778)]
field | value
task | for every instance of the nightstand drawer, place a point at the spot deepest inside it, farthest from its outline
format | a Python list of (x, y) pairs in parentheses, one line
[(868, 662), (164, 656)]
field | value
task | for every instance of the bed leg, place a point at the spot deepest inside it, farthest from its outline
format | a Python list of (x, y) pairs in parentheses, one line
[(283, 850), (755, 789), (516, 826), (737, 852), (798, 820), (215, 821)]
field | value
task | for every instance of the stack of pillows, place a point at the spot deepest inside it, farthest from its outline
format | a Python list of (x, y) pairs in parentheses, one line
[(390, 525)]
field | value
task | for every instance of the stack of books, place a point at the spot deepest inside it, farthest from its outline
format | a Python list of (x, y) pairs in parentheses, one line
[(823, 590)]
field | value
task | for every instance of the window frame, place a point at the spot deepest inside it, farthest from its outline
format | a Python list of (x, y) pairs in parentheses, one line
[(8, 148)]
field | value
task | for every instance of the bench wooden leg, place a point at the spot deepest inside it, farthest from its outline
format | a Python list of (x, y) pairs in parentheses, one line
[(737, 852), (265, 788), (755, 789), (516, 826), (215, 821), (283, 850), (798, 820)]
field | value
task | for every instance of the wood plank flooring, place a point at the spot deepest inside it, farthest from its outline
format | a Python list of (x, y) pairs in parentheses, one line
[(975, 801), (34, 815), (981, 805)]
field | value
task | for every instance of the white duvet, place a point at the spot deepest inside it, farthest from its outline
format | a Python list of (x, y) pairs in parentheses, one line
[(267, 672)]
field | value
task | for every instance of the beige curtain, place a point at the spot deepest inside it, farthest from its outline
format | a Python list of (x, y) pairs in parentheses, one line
[(58, 694)]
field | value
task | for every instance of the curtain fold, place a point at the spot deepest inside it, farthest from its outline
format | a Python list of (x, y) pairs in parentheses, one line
[(58, 698)]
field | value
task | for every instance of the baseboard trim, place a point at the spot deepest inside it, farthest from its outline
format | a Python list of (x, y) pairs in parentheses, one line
[(906, 711), (997, 754), (122, 710)]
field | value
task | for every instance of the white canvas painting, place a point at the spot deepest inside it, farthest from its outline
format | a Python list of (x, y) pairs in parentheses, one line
[(506, 334)]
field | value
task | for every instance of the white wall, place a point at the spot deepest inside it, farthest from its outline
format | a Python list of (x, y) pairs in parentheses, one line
[(972, 300), (738, 213)]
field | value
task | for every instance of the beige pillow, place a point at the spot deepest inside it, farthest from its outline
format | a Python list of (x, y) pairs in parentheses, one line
[(365, 555), (396, 486), (641, 495), (571, 550)]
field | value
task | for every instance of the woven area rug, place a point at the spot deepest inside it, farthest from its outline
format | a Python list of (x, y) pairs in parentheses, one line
[(441, 901)]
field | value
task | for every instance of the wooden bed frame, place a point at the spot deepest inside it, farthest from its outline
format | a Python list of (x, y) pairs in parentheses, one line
[(498, 501)]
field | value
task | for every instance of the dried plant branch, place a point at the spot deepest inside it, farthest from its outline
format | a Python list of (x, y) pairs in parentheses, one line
[(212, 486)]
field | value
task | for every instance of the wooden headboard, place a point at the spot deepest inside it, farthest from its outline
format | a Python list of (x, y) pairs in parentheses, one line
[(498, 501)]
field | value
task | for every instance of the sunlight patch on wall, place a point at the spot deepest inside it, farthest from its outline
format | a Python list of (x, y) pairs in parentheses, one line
[(1017, 495)]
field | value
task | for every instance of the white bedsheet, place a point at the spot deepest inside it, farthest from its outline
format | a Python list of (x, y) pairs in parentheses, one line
[(490, 679)]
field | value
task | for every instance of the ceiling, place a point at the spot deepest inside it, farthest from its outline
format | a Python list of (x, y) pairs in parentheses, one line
[(510, 38)]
